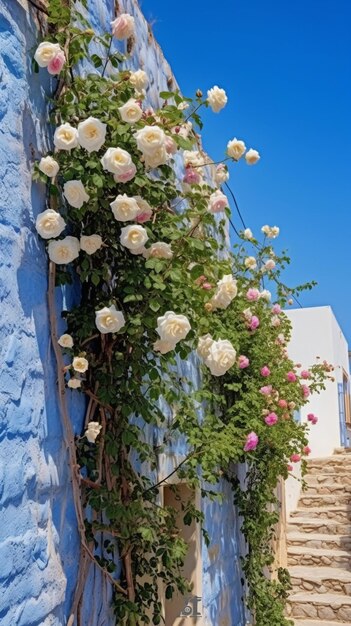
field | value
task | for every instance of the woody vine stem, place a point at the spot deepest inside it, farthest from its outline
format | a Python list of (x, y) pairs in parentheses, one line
[(146, 255)]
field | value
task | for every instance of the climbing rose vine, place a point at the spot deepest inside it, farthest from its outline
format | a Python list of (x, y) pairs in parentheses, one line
[(147, 252)]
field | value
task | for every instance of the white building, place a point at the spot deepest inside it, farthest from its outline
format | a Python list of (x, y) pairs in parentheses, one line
[(316, 333)]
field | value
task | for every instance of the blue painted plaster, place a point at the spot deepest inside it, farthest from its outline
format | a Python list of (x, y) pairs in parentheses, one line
[(39, 547)]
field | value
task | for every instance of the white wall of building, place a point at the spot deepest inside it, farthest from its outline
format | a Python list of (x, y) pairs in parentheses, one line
[(316, 333)]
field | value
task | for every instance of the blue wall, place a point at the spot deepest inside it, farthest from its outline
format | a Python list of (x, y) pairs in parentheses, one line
[(38, 538)]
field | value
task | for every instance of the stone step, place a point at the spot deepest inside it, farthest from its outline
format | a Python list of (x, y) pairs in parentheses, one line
[(342, 451), (321, 526), (341, 513), (324, 499), (327, 487), (319, 478), (318, 557), (318, 540), (320, 580), (328, 607), (336, 464)]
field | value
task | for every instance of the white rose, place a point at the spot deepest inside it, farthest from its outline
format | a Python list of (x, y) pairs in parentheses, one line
[(172, 327), (91, 134), (159, 250), (182, 106), (163, 346), (139, 80), (74, 383), (150, 139), (93, 431), (49, 224), (90, 243), (235, 149), (133, 237), (130, 112), (269, 265), (216, 98), (64, 250), (247, 313), (80, 364), (270, 231), (193, 158), (48, 166), (247, 234), (159, 157), (275, 230), (221, 174), (275, 321), (124, 209), (203, 346), (66, 137), (109, 320), (65, 341), (221, 357), (252, 156), (226, 291), (266, 295), (75, 193), (218, 202), (123, 26), (117, 161), (46, 52), (250, 263), (185, 130)]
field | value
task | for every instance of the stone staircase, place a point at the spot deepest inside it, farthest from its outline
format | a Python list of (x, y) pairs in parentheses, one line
[(319, 545)]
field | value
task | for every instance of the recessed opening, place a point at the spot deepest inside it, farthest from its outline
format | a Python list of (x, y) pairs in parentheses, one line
[(185, 610)]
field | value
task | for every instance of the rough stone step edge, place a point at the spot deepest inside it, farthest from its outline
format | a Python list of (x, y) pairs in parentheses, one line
[(329, 552), (330, 599), (306, 572), (318, 622)]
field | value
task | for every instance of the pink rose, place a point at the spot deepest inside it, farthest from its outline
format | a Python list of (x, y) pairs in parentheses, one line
[(305, 374), (207, 286), (126, 176), (289, 467), (123, 26), (291, 377), (251, 442), (307, 450), (266, 390), (252, 294), (218, 202), (55, 66), (283, 404), (305, 391), (243, 362), (295, 458), (265, 371), (312, 418), (143, 217), (200, 280), (271, 419), (192, 177), (254, 323), (170, 145), (276, 309)]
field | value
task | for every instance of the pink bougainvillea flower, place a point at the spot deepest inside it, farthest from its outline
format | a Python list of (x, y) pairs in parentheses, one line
[(307, 450), (252, 294), (243, 362), (266, 390), (271, 419), (295, 458), (305, 374), (191, 177), (276, 309), (289, 467), (305, 391), (251, 442), (283, 404), (254, 323), (265, 371), (56, 64), (291, 377)]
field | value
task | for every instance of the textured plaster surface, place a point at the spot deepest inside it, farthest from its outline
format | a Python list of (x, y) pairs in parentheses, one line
[(38, 537)]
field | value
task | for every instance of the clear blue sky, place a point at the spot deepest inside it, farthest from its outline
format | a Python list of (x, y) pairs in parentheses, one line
[(286, 68)]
